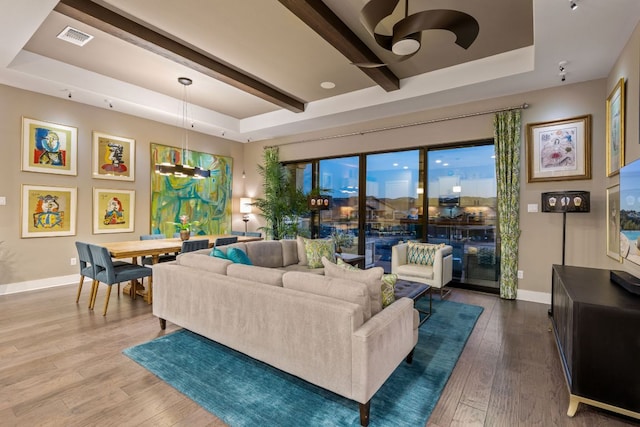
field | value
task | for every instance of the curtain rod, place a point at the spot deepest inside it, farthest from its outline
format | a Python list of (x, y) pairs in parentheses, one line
[(424, 122)]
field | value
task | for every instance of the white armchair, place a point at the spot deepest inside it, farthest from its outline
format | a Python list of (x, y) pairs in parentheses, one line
[(437, 275)]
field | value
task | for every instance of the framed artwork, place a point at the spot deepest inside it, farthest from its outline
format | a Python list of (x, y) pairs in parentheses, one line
[(48, 211), (207, 201), (114, 157), (113, 211), (49, 147), (559, 150), (615, 129), (613, 222)]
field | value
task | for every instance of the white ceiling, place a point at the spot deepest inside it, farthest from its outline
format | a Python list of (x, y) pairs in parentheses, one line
[(266, 40)]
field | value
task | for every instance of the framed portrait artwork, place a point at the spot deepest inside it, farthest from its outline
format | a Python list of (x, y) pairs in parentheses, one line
[(113, 211), (615, 129), (114, 157), (48, 211), (613, 222), (49, 147), (559, 150)]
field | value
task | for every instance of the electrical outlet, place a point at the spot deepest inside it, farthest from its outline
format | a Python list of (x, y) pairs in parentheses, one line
[(73, 261), (520, 274)]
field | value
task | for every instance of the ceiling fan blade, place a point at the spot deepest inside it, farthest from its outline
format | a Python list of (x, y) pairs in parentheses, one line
[(368, 64)]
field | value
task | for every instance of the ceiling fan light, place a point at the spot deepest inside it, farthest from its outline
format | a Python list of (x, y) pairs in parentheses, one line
[(405, 46)]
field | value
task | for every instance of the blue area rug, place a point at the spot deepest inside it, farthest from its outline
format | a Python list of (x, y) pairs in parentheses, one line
[(244, 392)]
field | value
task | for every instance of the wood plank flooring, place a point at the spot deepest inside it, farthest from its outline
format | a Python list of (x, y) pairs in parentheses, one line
[(62, 365)]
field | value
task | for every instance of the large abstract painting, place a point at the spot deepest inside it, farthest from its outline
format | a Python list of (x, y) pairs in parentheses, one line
[(207, 201)]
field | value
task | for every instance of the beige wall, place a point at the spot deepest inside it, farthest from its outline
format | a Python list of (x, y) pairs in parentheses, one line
[(541, 238), (32, 259)]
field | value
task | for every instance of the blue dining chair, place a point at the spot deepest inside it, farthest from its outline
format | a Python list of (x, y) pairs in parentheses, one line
[(85, 261), (109, 274), (253, 234), (147, 260), (194, 245), (222, 241), (237, 233)]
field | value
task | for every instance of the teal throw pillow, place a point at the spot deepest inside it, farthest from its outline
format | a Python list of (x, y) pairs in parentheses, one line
[(238, 256), (218, 254), (316, 249)]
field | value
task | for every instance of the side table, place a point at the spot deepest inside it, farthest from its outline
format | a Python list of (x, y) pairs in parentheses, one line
[(353, 259)]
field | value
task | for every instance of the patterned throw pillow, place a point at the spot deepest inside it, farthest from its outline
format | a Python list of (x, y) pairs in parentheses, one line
[(388, 289), (345, 265), (422, 253), (238, 256), (315, 249)]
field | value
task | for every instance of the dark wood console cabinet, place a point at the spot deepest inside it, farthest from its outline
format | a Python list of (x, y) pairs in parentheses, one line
[(597, 329)]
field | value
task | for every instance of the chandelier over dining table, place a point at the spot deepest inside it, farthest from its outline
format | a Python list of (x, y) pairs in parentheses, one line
[(184, 169)]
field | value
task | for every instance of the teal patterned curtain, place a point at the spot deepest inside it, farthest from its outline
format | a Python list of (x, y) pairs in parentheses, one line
[(506, 126)]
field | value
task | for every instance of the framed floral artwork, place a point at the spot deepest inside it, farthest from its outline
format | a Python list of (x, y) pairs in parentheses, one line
[(114, 157), (559, 150), (615, 129), (113, 211), (48, 211), (49, 147), (613, 222)]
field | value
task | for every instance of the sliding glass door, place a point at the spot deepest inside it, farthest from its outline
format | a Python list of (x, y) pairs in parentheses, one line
[(393, 210), (462, 210)]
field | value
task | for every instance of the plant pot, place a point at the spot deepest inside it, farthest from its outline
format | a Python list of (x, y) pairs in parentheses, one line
[(185, 234)]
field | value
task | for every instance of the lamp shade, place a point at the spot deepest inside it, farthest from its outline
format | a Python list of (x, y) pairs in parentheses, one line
[(566, 201), (245, 205)]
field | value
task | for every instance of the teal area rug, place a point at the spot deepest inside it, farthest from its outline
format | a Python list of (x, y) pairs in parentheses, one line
[(244, 392)]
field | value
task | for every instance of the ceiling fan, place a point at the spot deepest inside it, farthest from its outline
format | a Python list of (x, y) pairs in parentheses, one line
[(406, 36)]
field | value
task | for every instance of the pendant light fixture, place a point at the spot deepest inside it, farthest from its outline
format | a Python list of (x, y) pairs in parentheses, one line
[(183, 170)]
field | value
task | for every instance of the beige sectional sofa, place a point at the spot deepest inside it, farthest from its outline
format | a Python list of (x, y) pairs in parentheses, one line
[(329, 331)]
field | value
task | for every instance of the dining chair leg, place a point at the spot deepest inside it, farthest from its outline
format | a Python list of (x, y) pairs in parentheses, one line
[(106, 301), (79, 289), (94, 294)]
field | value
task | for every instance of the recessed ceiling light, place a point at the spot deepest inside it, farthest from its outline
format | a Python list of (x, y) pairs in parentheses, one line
[(405, 167), (438, 161), (445, 164), (327, 85), (395, 165)]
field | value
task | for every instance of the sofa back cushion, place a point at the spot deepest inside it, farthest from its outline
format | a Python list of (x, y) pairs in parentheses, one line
[(265, 253), (289, 252), (371, 277), (202, 260), (269, 276), (345, 290)]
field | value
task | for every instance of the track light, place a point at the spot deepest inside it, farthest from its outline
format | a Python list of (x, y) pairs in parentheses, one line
[(562, 66), (573, 5)]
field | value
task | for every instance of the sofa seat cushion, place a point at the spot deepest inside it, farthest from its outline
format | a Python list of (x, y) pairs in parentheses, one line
[(371, 277), (265, 253), (269, 276), (202, 260), (345, 290), (415, 270), (304, 268)]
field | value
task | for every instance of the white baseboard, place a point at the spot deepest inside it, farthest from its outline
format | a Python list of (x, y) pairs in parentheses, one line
[(533, 296), (32, 285)]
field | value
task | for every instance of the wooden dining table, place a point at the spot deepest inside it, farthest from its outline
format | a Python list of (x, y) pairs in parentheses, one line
[(154, 248)]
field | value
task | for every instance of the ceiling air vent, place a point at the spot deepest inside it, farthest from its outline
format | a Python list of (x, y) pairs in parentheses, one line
[(75, 36)]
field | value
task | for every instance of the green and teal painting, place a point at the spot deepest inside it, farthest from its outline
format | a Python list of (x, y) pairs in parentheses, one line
[(206, 202)]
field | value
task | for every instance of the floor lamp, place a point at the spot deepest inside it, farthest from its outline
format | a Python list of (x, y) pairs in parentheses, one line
[(564, 202), (245, 210)]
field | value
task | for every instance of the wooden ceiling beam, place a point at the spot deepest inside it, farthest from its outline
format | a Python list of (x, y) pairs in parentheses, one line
[(128, 30), (323, 21)]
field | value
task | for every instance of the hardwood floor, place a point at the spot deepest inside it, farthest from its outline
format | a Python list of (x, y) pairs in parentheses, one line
[(62, 365)]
